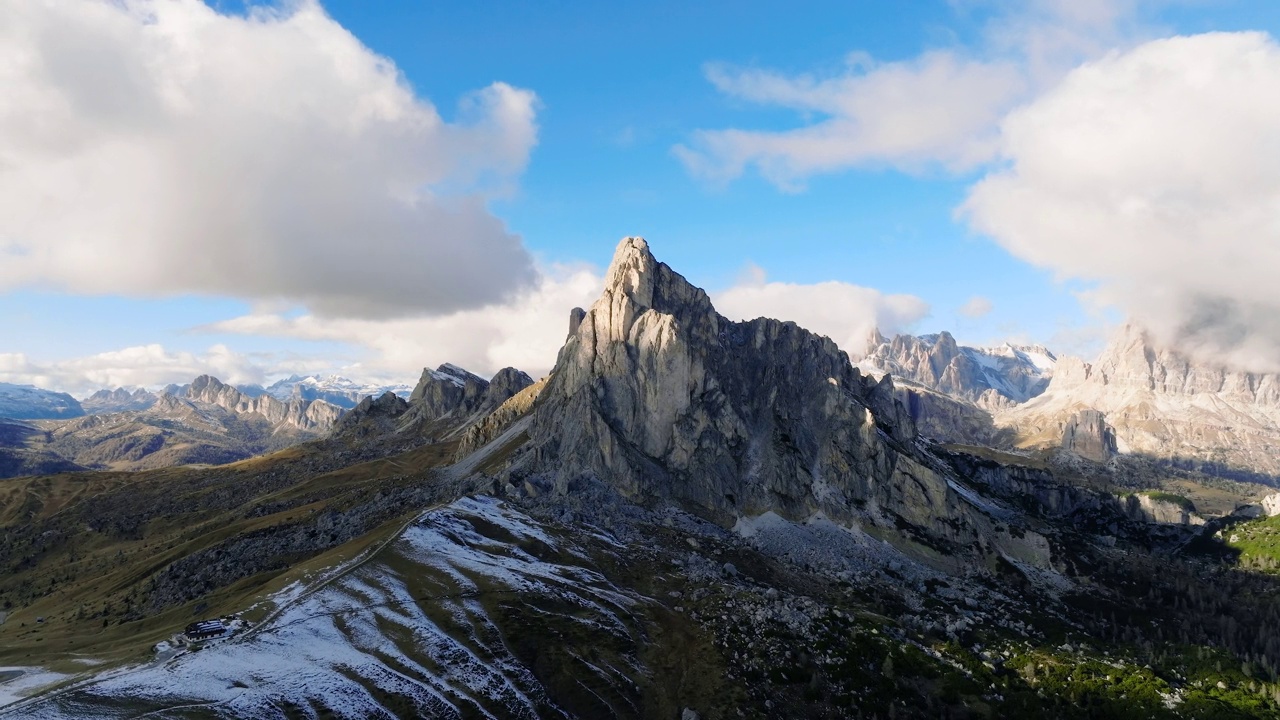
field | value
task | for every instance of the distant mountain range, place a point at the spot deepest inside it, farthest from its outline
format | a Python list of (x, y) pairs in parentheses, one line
[(990, 377), (210, 422), (333, 389), (1146, 400), (24, 402)]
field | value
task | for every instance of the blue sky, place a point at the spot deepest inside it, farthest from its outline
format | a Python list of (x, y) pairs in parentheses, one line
[(619, 87)]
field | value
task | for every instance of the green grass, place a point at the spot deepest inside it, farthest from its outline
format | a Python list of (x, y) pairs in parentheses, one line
[(1258, 542), (1171, 498)]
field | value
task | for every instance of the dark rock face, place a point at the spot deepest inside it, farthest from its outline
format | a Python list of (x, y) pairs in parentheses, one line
[(1088, 435), (504, 386), (446, 389), (372, 416), (663, 398), (450, 390)]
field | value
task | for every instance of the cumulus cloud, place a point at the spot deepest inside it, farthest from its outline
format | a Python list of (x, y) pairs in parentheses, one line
[(940, 110), (157, 148), (143, 366), (976, 307), (526, 332), (529, 331), (1155, 173), (843, 312)]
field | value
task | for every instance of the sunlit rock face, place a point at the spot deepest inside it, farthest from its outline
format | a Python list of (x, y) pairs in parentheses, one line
[(664, 399), (1161, 404)]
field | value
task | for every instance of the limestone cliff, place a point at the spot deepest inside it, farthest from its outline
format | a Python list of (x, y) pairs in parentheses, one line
[(1088, 435), (1163, 405), (665, 400), (313, 416)]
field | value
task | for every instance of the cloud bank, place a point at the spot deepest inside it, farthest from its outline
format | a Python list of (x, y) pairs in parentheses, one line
[(144, 366), (843, 312), (1155, 173), (156, 148)]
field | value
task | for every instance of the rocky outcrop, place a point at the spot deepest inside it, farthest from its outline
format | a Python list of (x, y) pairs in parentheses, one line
[(666, 401), (1271, 505), (942, 417), (1012, 373), (450, 391), (372, 416), (1162, 508), (503, 386), (497, 422), (1088, 435)]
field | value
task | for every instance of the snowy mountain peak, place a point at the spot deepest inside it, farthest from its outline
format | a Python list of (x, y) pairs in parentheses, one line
[(335, 389), (937, 361), (26, 402)]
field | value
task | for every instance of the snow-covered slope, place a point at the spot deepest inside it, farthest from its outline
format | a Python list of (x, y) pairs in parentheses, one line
[(25, 402), (334, 389), (420, 629)]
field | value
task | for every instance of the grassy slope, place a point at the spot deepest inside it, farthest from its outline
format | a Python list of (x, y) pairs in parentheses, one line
[(81, 549)]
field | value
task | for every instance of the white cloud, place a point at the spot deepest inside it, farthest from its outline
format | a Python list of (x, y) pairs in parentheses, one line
[(843, 312), (976, 307), (1155, 173), (141, 366), (526, 332), (158, 148), (529, 331), (941, 109)]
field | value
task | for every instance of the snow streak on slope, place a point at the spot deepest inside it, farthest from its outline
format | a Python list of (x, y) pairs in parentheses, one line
[(424, 628)]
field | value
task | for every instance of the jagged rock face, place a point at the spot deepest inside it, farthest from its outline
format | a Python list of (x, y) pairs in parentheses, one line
[(372, 416), (1132, 361), (1088, 435), (306, 415), (451, 390), (446, 389), (1009, 373), (119, 400), (1162, 405), (1146, 508), (942, 417), (663, 398), (497, 422), (503, 386)]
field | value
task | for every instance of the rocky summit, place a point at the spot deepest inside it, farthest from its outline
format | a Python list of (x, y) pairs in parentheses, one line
[(688, 517)]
